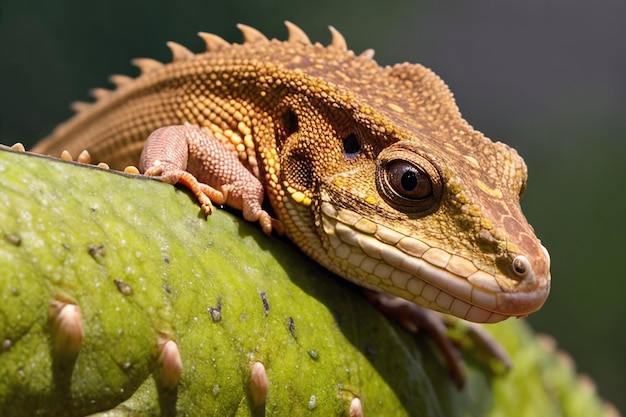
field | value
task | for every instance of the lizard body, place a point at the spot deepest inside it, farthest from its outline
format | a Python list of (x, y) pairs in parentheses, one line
[(370, 170)]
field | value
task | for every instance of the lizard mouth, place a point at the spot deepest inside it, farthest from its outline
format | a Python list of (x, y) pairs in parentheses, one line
[(380, 258)]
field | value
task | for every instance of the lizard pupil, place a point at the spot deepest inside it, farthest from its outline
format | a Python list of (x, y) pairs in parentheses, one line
[(409, 181)]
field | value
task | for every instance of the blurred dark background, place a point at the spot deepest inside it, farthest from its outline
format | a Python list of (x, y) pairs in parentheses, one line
[(548, 78)]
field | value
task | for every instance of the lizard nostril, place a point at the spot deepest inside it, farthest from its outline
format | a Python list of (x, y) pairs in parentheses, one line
[(521, 266)]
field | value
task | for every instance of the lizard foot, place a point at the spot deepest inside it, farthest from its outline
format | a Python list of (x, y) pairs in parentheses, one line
[(192, 156), (244, 195), (205, 194), (413, 317)]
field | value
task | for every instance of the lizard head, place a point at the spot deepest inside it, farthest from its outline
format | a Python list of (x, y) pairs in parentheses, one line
[(393, 189)]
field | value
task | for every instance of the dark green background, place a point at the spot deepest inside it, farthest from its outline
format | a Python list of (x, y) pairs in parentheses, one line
[(549, 78)]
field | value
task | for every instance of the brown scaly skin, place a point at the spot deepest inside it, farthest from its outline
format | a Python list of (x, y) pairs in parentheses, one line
[(371, 170)]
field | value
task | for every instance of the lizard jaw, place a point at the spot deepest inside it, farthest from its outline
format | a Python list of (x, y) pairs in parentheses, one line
[(377, 257)]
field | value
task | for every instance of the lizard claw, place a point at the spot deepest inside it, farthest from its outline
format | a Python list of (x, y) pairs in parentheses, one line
[(205, 194), (413, 317), (207, 208), (269, 224), (278, 226)]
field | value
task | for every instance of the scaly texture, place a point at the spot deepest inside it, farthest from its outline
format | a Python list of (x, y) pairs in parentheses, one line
[(371, 170)]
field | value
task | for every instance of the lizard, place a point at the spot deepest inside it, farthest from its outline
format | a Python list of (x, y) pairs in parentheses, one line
[(370, 170)]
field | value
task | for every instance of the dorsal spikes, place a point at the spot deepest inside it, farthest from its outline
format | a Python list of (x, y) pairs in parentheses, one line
[(250, 34), (78, 106), (147, 65), (99, 93), (119, 80), (296, 34), (179, 52), (338, 41), (368, 53), (213, 42)]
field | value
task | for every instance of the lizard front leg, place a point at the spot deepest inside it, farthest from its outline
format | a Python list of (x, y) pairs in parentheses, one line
[(192, 156)]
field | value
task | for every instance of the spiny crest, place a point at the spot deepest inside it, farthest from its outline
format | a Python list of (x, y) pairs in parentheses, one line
[(147, 65), (99, 93), (250, 34), (338, 41), (119, 80), (78, 106), (213, 43), (296, 34), (179, 52)]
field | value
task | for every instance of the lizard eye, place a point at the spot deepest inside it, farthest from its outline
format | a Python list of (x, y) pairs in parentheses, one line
[(410, 184), (408, 180)]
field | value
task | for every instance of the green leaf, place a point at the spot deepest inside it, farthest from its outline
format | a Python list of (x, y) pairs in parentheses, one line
[(144, 265)]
